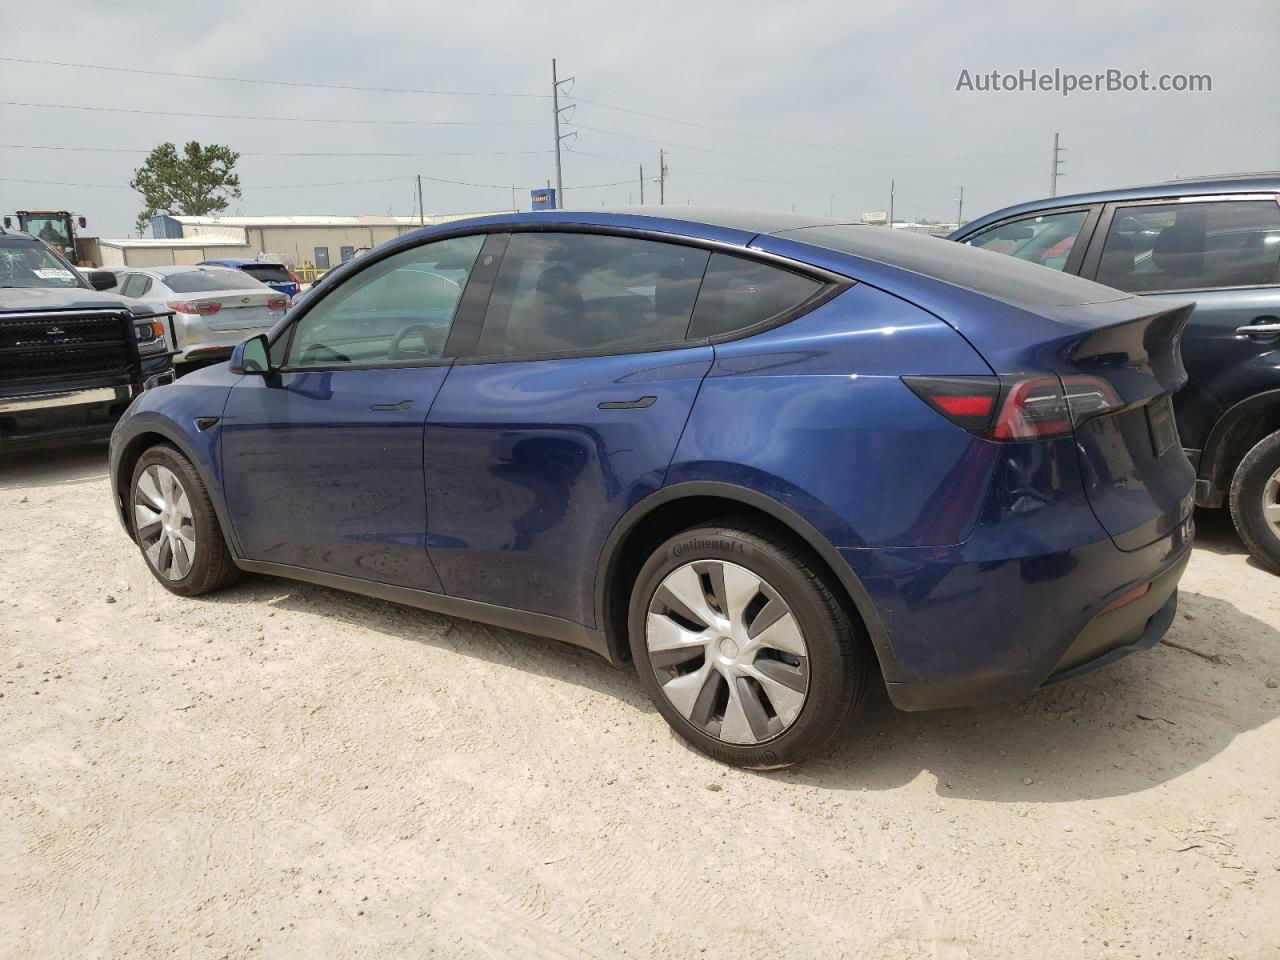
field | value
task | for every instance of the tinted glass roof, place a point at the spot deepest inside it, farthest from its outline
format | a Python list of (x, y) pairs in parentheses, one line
[(993, 274), (732, 218)]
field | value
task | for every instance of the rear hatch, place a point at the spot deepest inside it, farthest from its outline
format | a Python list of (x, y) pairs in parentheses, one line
[(1114, 355), (1119, 363)]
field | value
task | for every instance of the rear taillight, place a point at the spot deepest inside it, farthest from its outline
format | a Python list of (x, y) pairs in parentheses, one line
[(1016, 407), (278, 303), (198, 307)]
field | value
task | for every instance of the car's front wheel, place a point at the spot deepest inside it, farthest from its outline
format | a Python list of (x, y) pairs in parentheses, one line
[(1255, 501), (175, 525), (743, 647)]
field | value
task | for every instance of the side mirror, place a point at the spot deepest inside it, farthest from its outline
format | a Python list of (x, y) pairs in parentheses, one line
[(101, 279), (252, 356)]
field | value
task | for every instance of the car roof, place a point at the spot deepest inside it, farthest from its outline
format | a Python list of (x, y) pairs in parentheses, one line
[(1264, 182), (239, 262), (168, 271), (851, 248)]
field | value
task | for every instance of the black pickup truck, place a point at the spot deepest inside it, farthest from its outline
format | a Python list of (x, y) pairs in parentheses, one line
[(72, 358)]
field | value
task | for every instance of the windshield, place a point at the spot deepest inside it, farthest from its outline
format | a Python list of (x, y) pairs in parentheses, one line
[(27, 264), (199, 281)]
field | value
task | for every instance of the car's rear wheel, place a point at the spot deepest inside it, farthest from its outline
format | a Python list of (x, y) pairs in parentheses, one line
[(175, 525), (743, 646), (1255, 501)]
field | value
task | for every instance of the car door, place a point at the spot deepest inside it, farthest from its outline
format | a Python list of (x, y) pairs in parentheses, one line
[(1223, 252), (566, 414), (323, 458)]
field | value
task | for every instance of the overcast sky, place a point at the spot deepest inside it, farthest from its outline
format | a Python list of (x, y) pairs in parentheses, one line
[(825, 102)]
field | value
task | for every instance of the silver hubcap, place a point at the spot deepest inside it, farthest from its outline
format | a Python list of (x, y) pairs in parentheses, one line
[(727, 651), (1271, 502), (162, 517)]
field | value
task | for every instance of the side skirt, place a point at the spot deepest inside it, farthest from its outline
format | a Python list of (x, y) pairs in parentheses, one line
[(538, 624)]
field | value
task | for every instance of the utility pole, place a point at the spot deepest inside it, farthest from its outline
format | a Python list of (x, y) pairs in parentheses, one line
[(662, 176), (513, 197), (642, 184), (891, 186), (422, 216), (831, 205), (556, 111), (960, 209), (1055, 170)]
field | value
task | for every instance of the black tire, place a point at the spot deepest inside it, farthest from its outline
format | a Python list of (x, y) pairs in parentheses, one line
[(839, 665), (1248, 500), (211, 565)]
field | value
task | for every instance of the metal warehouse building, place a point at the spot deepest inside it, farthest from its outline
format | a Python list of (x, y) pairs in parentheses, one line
[(303, 241)]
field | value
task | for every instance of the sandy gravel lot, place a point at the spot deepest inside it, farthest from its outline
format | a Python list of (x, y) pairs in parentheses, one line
[(286, 771)]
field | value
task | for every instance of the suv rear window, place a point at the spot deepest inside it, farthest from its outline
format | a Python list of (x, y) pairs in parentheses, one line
[(1192, 246), (740, 293), (267, 272), (201, 281)]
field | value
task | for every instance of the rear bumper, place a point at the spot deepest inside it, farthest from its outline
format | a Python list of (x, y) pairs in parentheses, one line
[(969, 632)]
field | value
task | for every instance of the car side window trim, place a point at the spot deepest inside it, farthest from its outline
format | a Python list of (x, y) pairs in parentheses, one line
[(831, 285), (1093, 261)]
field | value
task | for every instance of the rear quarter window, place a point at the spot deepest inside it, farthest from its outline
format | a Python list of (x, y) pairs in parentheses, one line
[(738, 293)]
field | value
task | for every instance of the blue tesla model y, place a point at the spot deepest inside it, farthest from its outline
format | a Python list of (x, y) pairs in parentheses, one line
[(764, 458)]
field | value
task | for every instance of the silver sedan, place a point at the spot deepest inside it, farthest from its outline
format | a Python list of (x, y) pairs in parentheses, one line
[(214, 308)]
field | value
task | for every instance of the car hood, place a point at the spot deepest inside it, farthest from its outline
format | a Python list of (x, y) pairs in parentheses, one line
[(62, 298)]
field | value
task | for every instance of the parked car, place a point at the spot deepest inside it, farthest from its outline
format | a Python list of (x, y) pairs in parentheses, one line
[(752, 453), (1214, 241), (72, 358), (275, 274), (214, 307)]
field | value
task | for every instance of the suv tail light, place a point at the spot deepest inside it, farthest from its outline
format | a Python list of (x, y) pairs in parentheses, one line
[(199, 307), (1016, 407), (278, 303)]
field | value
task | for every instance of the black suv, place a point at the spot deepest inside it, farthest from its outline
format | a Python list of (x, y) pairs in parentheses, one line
[(1217, 242), (71, 358)]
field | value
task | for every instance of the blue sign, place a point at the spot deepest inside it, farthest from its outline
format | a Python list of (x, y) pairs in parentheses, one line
[(544, 199)]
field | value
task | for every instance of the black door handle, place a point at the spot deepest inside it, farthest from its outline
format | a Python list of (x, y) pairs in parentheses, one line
[(402, 405), (628, 404)]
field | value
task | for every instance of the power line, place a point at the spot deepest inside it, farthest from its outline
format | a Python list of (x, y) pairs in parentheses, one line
[(278, 83), (741, 156), (429, 153), (242, 116), (799, 143), (345, 36)]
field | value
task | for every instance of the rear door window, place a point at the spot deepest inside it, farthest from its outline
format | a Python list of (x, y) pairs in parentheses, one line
[(565, 293), (738, 293), (1046, 239), (1166, 247)]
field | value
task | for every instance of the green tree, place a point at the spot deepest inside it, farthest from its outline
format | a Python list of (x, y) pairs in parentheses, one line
[(197, 182)]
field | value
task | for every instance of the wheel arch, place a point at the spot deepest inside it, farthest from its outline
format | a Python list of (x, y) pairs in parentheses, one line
[(145, 435), (1233, 435), (670, 509)]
